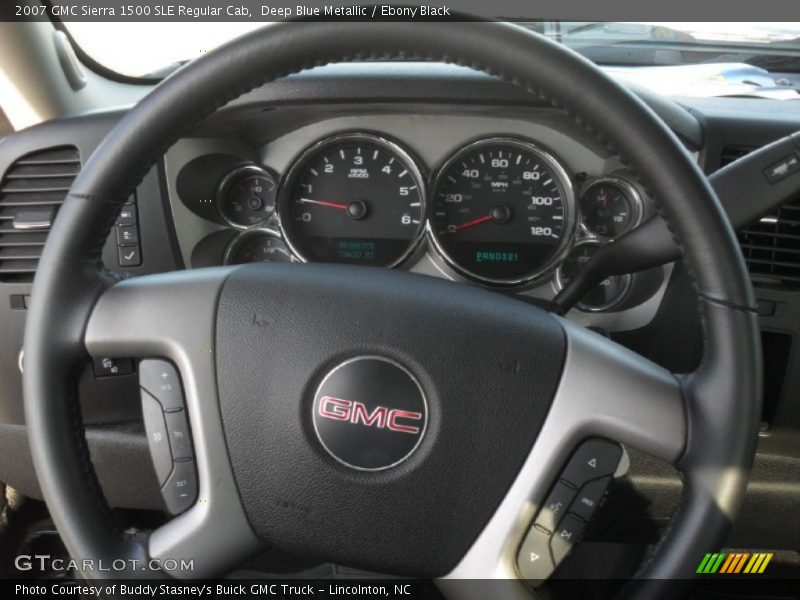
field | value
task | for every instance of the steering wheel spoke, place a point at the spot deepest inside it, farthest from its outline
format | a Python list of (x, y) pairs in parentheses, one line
[(606, 393), (173, 316)]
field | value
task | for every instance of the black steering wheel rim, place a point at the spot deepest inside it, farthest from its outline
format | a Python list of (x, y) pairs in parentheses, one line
[(723, 395)]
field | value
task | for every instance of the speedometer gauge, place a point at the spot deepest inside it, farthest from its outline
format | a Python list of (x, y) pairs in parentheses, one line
[(503, 211), (354, 198)]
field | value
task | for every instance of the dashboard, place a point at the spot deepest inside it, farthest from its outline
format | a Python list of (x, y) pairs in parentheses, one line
[(507, 202)]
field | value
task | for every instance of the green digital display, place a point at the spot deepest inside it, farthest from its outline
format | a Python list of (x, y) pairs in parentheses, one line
[(483, 256), (355, 250)]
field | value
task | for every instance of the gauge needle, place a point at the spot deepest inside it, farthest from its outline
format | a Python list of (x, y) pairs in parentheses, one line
[(468, 224), (324, 203)]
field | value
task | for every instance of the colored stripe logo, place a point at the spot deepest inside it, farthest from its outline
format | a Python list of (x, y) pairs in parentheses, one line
[(734, 562)]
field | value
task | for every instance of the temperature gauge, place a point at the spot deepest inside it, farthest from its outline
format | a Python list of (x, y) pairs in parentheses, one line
[(610, 207)]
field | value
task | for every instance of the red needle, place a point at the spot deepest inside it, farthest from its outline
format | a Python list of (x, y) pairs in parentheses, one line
[(472, 223), (324, 203)]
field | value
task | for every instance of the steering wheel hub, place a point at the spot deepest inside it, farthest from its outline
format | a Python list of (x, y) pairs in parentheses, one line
[(364, 403)]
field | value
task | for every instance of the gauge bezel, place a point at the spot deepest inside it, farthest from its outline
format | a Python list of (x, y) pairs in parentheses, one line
[(637, 204), (223, 188), (303, 158), (558, 283), (570, 211), (245, 235)]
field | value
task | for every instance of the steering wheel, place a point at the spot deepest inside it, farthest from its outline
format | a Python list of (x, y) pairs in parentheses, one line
[(496, 395)]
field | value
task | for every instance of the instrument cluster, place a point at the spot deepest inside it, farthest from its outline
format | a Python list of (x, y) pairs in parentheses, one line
[(501, 211)]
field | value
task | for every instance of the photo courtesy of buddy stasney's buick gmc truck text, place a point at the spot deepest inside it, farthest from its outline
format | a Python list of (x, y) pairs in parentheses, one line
[(277, 590), (307, 300)]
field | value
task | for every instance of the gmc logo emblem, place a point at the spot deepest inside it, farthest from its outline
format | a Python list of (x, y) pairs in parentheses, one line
[(356, 412)]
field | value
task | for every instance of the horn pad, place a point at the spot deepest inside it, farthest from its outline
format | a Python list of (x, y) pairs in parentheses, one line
[(376, 418)]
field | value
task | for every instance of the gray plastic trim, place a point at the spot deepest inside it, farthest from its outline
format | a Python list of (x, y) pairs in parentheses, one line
[(73, 70), (173, 316), (605, 391)]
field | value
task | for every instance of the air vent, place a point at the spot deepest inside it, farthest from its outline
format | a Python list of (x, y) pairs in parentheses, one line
[(771, 247), (732, 153), (32, 190)]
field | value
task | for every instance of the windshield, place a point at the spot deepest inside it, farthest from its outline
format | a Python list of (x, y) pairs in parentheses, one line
[(716, 58)]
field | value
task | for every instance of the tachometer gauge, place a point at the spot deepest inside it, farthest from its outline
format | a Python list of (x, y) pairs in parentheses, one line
[(354, 198), (606, 296), (503, 211), (610, 207), (257, 245), (246, 196)]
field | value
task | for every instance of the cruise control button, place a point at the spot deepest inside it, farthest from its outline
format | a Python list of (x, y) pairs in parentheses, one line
[(566, 536), (157, 438), (594, 459), (180, 490), (555, 506), (533, 560), (161, 379), (179, 438), (589, 497)]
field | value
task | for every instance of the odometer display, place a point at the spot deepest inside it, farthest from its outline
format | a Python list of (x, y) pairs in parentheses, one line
[(503, 211), (355, 198)]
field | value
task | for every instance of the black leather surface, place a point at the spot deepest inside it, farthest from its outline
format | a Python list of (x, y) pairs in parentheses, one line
[(120, 457), (68, 281), (443, 84), (723, 411), (489, 366)]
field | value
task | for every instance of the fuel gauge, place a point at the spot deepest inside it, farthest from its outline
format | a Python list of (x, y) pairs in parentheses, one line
[(608, 295), (257, 245)]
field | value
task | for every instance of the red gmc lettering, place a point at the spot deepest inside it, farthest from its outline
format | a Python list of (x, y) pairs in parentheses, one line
[(357, 413), (334, 408), (403, 414), (378, 415)]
